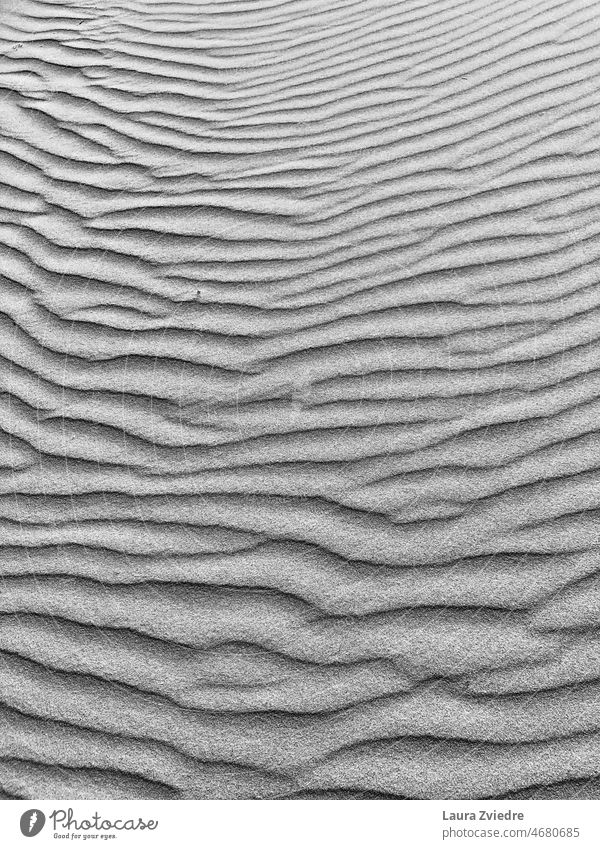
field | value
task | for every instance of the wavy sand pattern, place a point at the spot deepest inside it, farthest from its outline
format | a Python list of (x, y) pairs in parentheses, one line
[(300, 391)]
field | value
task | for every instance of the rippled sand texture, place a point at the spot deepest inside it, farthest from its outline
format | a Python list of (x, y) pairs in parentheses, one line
[(300, 376)]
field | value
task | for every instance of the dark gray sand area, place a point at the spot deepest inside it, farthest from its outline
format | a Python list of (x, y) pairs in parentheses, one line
[(299, 399)]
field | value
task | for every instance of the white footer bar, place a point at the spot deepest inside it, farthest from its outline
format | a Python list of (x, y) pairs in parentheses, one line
[(295, 824)]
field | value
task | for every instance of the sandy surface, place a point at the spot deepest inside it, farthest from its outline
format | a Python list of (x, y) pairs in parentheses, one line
[(299, 399)]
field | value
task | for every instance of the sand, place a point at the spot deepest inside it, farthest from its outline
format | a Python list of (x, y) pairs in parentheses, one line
[(299, 393)]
